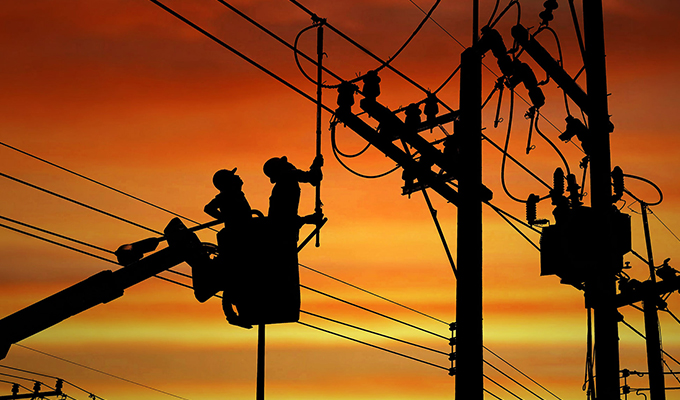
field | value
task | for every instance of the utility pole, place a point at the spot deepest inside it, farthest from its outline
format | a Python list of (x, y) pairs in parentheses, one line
[(601, 284), (469, 332), (657, 390)]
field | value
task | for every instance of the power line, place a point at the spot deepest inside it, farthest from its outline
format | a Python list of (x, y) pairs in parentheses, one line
[(56, 234), (79, 203), (643, 336), (373, 312), (374, 294), (512, 379), (51, 377), (98, 182), (516, 229), (492, 394), (100, 371), (65, 396), (515, 368), (374, 333), (238, 53), (91, 254), (374, 346), (501, 386)]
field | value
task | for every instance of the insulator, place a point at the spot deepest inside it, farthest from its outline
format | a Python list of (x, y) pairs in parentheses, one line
[(371, 88), (551, 5), (36, 386), (431, 107), (531, 208), (346, 95), (574, 128), (572, 188), (619, 186), (15, 389), (546, 16), (452, 341), (59, 385), (452, 356), (412, 116), (558, 182), (452, 371)]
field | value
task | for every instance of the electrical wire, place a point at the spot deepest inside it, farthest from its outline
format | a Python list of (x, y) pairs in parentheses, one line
[(51, 377), (238, 53), (56, 234), (643, 336), (523, 374), (368, 52), (512, 379), (70, 171), (662, 223), (374, 332), (577, 28), (278, 38), (433, 213), (507, 214), (550, 142), (501, 386), (89, 254), (505, 149), (372, 345), (654, 185), (493, 14), (446, 81), (519, 164), (334, 147), (79, 203), (374, 294), (517, 229), (63, 395), (373, 312), (505, 10), (486, 391), (100, 372)]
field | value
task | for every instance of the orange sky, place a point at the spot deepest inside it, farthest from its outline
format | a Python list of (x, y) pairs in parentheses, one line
[(123, 92)]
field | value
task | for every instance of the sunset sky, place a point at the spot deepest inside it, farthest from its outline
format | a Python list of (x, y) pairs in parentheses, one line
[(125, 93)]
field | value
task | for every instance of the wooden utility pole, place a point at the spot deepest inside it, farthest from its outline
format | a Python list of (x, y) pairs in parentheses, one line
[(657, 389), (601, 284), (469, 332)]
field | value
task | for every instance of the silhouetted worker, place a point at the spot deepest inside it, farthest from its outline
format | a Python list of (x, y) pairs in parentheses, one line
[(284, 224), (231, 207)]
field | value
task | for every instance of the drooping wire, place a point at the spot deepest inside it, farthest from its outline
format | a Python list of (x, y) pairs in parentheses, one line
[(654, 185), (519, 164), (374, 332), (79, 203), (334, 147), (368, 52), (505, 149), (101, 372), (297, 59), (70, 171), (373, 312), (384, 63), (505, 10), (374, 294), (550, 142), (372, 345), (493, 14)]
